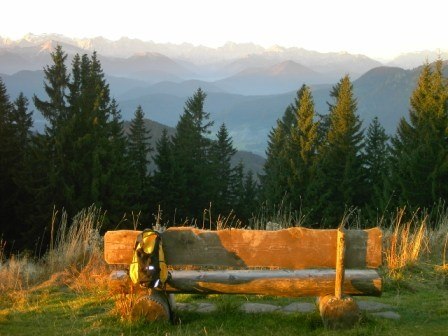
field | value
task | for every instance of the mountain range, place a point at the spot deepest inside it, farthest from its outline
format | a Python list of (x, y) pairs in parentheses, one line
[(248, 86)]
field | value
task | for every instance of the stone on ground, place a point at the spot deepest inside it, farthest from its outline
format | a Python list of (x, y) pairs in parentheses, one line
[(299, 307), (204, 307), (388, 315), (258, 308), (371, 306)]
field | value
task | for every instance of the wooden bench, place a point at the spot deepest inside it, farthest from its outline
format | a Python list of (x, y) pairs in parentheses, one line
[(294, 262)]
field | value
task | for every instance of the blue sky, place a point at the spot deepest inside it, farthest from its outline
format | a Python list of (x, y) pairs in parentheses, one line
[(380, 28)]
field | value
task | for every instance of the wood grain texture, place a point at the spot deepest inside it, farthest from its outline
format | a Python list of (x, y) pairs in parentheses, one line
[(151, 307), (340, 264), (298, 283), (293, 248)]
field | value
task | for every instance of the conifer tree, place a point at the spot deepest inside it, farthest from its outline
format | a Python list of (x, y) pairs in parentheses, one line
[(237, 190), (56, 83), (138, 158), (7, 158), (276, 170), (250, 197), (274, 179), (82, 143), (302, 149), (419, 149), (51, 147), (376, 160), (339, 182), (191, 147), (221, 153), (165, 177), (117, 188)]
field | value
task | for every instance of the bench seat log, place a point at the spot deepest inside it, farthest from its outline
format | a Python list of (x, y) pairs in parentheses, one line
[(295, 283)]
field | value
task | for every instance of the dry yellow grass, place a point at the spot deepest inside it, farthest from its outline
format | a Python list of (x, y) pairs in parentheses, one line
[(405, 243), (75, 258)]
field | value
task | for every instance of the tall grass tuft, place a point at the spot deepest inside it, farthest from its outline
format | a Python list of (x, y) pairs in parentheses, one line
[(405, 242), (75, 256), (75, 245), (77, 249)]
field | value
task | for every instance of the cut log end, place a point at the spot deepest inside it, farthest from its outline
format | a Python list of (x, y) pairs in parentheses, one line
[(151, 307), (338, 313)]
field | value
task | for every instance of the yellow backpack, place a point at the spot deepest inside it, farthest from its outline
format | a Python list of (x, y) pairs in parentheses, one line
[(148, 267)]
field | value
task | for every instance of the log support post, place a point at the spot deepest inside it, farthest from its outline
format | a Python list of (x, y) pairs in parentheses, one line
[(152, 306), (339, 311)]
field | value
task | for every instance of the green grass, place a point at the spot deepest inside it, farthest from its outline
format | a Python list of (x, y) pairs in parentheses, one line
[(420, 297), (65, 294)]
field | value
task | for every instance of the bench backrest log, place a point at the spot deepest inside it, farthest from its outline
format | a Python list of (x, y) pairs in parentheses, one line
[(293, 248), (289, 262)]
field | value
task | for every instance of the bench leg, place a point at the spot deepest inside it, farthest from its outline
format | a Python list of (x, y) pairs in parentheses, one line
[(152, 306), (338, 313)]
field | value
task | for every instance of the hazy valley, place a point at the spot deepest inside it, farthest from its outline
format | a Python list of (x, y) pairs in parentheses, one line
[(248, 86)]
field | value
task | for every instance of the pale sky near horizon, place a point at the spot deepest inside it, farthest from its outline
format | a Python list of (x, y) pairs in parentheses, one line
[(381, 29)]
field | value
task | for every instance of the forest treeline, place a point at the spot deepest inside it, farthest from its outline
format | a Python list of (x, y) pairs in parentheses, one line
[(319, 166)]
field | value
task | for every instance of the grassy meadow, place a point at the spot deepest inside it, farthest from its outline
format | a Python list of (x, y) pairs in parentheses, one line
[(65, 292)]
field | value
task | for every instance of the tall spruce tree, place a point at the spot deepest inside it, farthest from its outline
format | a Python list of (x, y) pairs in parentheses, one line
[(82, 143), (250, 198), (7, 158), (15, 126), (117, 188), (165, 178), (274, 179), (191, 147), (50, 148), (221, 153), (138, 158), (237, 191), (420, 147), (54, 110), (302, 149), (376, 160), (275, 188), (339, 181)]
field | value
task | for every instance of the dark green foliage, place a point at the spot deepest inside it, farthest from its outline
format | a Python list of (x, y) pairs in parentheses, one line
[(138, 159), (15, 126), (250, 198), (291, 154), (221, 153), (192, 165), (302, 147), (274, 180), (318, 165), (339, 181), (56, 84), (376, 158), (277, 168), (194, 179), (7, 161), (81, 153), (165, 175), (420, 148)]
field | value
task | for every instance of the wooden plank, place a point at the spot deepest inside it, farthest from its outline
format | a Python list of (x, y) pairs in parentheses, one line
[(293, 248), (119, 246), (297, 283)]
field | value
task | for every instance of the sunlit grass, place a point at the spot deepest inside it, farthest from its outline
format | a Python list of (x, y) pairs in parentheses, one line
[(65, 292)]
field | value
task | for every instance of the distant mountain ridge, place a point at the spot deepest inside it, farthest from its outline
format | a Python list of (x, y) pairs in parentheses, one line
[(382, 92), (248, 86), (203, 61)]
